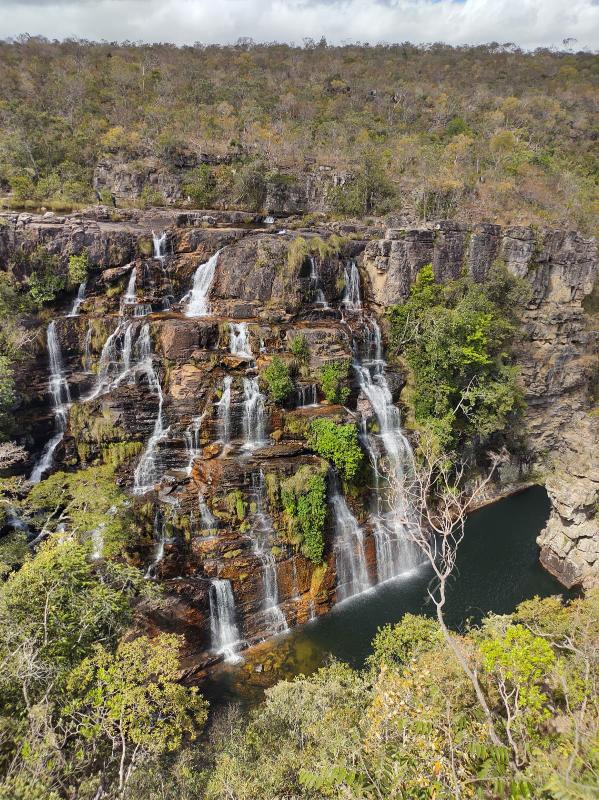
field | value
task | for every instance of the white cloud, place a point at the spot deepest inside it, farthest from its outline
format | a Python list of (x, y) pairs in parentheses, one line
[(528, 23)]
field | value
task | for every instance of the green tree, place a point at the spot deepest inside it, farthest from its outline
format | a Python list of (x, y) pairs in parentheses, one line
[(129, 704), (334, 380)]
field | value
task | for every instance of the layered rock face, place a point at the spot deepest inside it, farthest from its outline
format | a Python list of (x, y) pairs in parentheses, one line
[(181, 313)]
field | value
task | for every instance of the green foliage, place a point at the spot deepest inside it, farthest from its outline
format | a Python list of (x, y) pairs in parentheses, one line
[(200, 185), (338, 444), (368, 191), (151, 197), (278, 380), (7, 394), (133, 697), (456, 339), (45, 279), (78, 268), (396, 645), (300, 349), (304, 497), (250, 184), (334, 380)]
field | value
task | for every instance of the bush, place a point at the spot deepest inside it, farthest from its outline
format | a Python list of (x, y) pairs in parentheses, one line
[(150, 197), (200, 186), (334, 377), (299, 348), (395, 645), (44, 281), (304, 497), (278, 380), (250, 185), (338, 444), (78, 266)]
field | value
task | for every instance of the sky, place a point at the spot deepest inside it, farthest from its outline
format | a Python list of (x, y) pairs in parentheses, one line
[(528, 23)]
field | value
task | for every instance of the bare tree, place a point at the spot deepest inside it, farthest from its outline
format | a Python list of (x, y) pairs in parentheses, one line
[(439, 500)]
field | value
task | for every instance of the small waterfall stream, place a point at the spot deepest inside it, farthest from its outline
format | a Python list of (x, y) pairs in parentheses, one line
[(351, 294), (224, 410), (306, 395), (61, 402), (253, 414), (192, 441), (261, 534), (348, 546), (147, 472), (97, 540), (223, 627), (159, 243), (130, 295), (239, 339), (196, 301), (79, 298), (159, 536), (318, 296)]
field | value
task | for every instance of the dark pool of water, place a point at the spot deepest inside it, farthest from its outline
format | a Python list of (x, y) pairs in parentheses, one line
[(497, 568)]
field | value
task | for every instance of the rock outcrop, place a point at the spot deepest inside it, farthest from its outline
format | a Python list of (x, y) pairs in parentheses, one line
[(218, 466)]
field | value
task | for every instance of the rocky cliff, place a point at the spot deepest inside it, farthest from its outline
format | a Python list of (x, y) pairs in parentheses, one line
[(164, 362)]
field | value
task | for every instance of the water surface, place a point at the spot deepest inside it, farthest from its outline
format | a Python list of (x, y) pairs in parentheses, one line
[(497, 568)]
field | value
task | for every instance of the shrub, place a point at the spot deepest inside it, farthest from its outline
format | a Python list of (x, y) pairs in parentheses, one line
[(150, 197), (305, 503), (200, 186), (278, 380), (395, 645), (300, 349), (334, 377), (44, 281), (250, 184), (338, 444), (78, 266)]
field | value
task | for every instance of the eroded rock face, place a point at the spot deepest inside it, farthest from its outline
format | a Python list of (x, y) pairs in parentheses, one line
[(570, 542), (215, 485)]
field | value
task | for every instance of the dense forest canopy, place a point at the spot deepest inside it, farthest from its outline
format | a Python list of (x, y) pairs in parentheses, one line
[(485, 132)]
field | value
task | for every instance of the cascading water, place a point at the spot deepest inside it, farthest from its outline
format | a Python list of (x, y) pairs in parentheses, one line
[(87, 348), (348, 546), (192, 441), (306, 395), (196, 302), (207, 519), (253, 414), (262, 533), (61, 402), (223, 627), (159, 243), (224, 410), (395, 550), (79, 298), (147, 472), (239, 339), (159, 536), (351, 294), (115, 359), (318, 295), (130, 295)]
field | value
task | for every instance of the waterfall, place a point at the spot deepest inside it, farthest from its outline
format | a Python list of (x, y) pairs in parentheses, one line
[(319, 298), (146, 473), (196, 301), (87, 348), (224, 410), (192, 441), (348, 546), (395, 551), (261, 534), (253, 414), (61, 401), (239, 339), (225, 634), (306, 395), (207, 519), (142, 309), (351, 293), (78, 300), (115, 359), (159, 243), (159, 536), (130, 296)]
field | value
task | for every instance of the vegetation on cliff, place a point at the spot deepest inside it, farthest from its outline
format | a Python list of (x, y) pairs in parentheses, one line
[(304, 499), (456, 338), (473, 132), (338, 444)]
